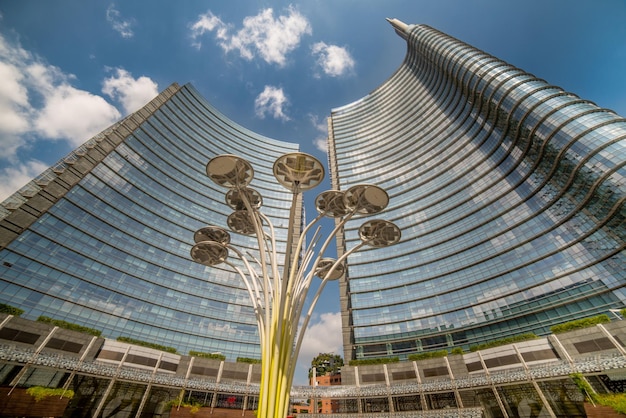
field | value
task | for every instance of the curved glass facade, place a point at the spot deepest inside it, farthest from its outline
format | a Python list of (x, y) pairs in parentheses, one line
[(110, 248), (509, 192)]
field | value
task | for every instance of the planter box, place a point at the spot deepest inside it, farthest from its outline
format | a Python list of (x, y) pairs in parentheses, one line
[(600, 411), (21, 404), (205, 412)]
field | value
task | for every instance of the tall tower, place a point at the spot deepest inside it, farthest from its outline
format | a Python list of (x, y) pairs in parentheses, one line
[(102, 238), (509, 193)]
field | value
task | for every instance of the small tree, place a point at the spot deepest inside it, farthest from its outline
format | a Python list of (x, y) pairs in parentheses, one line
[(326, 363)]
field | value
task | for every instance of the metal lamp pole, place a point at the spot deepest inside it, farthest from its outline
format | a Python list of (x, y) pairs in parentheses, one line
[(279, 297)]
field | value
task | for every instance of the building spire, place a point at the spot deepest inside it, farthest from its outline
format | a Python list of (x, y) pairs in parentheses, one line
[(401, 28)]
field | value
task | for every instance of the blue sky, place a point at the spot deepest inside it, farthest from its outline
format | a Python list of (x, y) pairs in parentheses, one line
[(69, 68)]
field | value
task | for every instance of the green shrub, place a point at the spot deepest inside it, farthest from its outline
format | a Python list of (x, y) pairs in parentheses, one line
[(427, 355), (175, 403), (623, 312), (580, 323), (584, 386), (41, 392), (10, 310), (504, 341), (215, 356), (69, 325), (248, 360), (147, 344), (367, 361), (456, 350), (617, 401)]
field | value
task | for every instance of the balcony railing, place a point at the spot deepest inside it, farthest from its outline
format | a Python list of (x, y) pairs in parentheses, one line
[(551, 370), (439, 413)]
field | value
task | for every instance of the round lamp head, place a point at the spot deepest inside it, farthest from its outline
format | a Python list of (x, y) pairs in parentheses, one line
[(366, 199), (241, 222), (209, 253), (298, 171), (331, 203), (324, 266), (230, 171), (212, 233), (235, 198), (379, 233)]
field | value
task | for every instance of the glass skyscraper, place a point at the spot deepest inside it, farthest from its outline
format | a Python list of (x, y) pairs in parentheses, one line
[(509, 193), (102, 239)]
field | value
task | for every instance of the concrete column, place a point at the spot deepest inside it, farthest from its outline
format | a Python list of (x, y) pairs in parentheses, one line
[(248, 380), (5, 321), (146, 394), (217, 380), (16, 379), (182, 392), (534, 383), (111, 383), (313, 383), (357, 383), (457, 395), (80, 360), (556, 343), (493, 387), (419, 387), (608, 335), (388, 383)]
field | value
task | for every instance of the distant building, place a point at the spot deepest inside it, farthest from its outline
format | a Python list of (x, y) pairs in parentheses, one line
[(325, 405), (509, 193)]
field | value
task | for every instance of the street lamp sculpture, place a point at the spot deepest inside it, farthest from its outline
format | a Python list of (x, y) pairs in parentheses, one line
[(279, 296)]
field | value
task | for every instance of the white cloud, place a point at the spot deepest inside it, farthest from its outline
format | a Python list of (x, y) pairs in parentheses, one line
[(207, 23), (39, 103), (75, 115), (13, 109), (334, 60), (14, 106), (263, 35), (133, 93), (271, 101), (13, 178), (324, 336), (320, 142), (37, 99), (121, 26)]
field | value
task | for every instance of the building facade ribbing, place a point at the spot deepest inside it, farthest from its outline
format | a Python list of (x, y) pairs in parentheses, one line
[(509, 193), (102, 239)]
